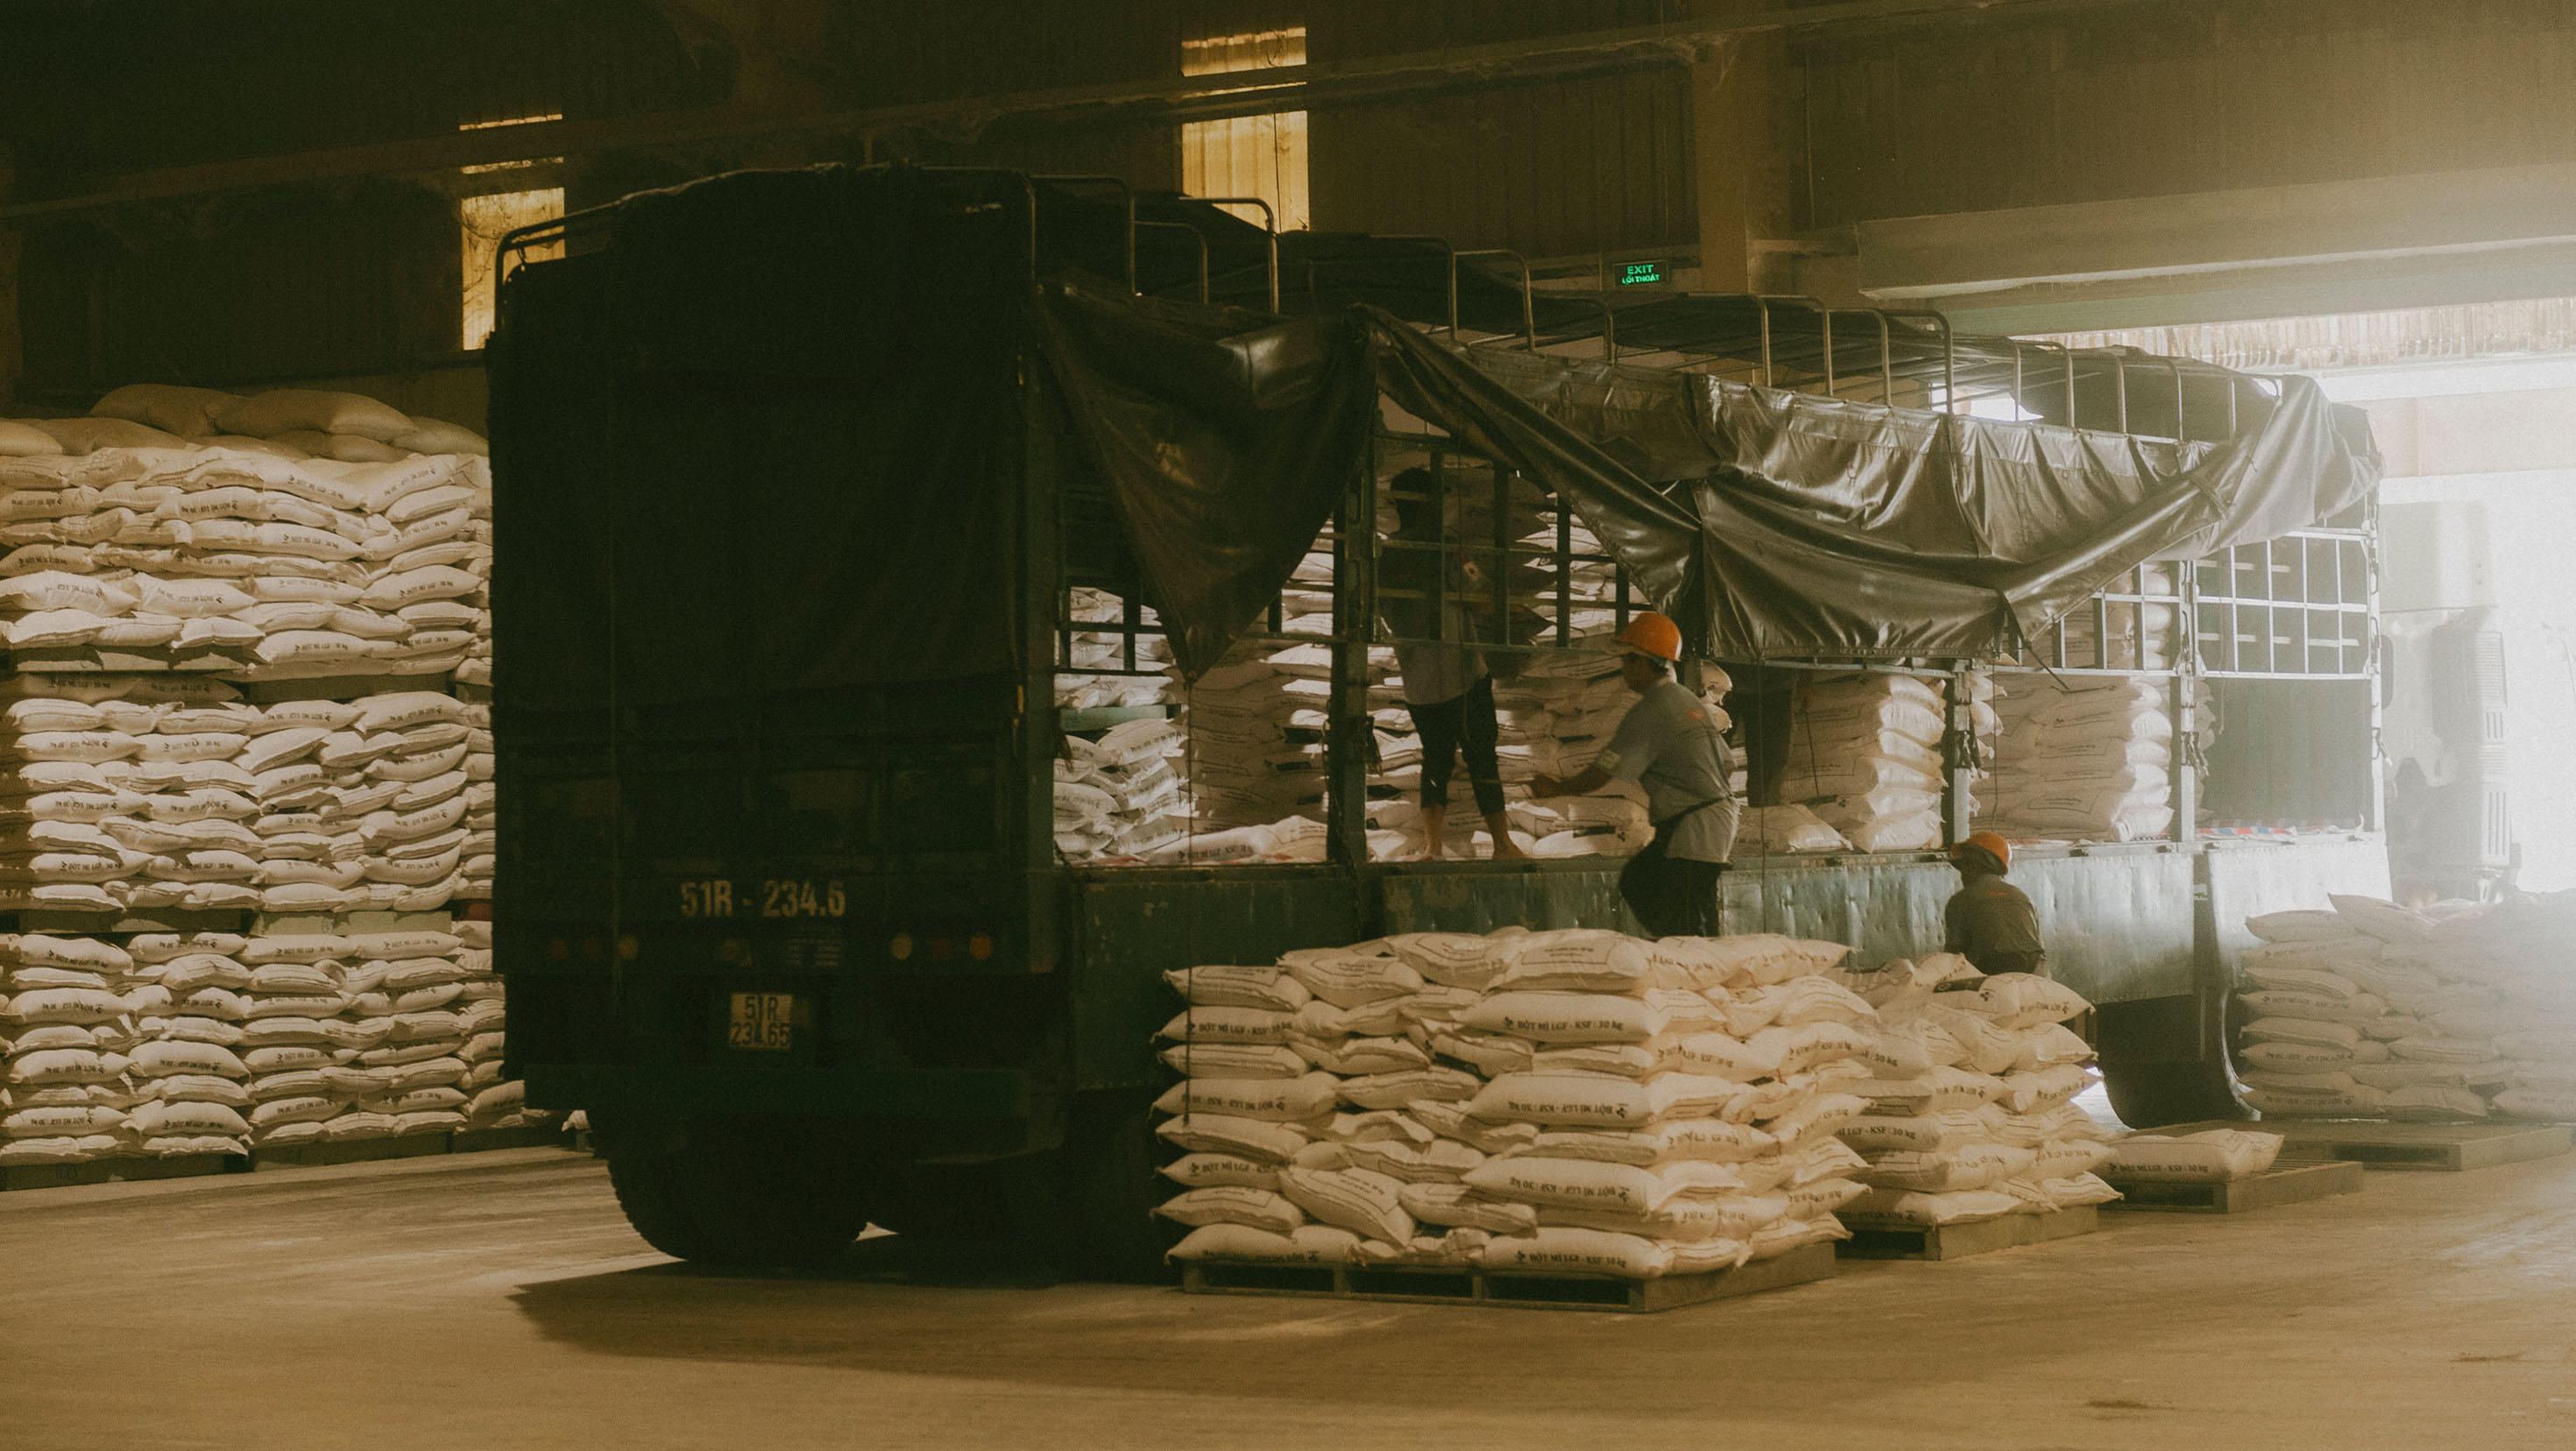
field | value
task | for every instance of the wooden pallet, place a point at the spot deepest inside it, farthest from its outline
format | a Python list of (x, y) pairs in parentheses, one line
[(2378, 1144), (1885, 1239), (1429, 1285), (2292, 1182), (130, 1169)]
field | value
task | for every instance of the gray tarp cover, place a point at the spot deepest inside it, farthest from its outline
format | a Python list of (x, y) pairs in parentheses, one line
[(1784, 524), (1769, 523)]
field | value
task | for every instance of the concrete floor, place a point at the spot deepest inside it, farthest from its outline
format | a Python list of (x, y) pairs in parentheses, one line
[(498, 1301)]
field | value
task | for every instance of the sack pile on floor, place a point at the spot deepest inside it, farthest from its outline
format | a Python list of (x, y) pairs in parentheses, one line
[(2082, 757), (137, 550), (1865, 760), (164, 791), (2373, 1010), (215, 1042), (2212, 1156), (1553, 1102), (1971, 1099)]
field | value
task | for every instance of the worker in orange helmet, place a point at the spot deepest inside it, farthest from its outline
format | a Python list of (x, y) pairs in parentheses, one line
[(1671, 744), (1988, 920)]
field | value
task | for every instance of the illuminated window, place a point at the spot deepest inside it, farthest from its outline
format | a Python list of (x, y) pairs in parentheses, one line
[(1263, 156), (486, 219)]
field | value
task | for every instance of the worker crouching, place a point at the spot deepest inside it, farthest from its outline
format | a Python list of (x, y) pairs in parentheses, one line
[(1670, 744), (1989, 921)]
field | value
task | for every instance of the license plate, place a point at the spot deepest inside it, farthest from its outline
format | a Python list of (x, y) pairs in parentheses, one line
[(762, 1022)]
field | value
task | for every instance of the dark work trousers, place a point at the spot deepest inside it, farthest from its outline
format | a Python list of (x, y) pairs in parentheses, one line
[(1671, 897), (1464, 722)]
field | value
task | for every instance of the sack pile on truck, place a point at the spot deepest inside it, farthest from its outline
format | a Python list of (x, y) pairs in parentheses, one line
[(1107, 650), (1569, 1101), (1971, 1088), (2373, 1010), (1864, 760), (1250, 762), (2082, 757), (1122, 796), (2130, 634), (216, 1042)]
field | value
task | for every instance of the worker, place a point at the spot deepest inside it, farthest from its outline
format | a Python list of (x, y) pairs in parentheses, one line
[(1988, 920), (1670, 744), (1448, 688)]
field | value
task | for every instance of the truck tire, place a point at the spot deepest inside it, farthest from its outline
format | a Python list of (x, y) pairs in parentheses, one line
[(743, 1191), (1113, 1181)]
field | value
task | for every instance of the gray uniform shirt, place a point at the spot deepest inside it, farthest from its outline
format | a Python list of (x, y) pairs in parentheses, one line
[(1670, 744), (1437, 672)]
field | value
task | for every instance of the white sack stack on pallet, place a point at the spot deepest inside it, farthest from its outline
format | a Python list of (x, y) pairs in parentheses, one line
[(1556, 1102), (2212, 1156), (138, 551), (216, 1042), (1971, 1097), (2372, 1010), (161, 791)]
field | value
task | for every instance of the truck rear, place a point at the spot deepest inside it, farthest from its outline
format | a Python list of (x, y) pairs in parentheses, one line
[(778, 901)]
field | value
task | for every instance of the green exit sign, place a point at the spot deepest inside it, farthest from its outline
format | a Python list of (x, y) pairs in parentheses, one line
[(1632, 273)]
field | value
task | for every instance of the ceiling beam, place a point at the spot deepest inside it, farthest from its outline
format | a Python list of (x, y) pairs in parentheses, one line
[(1306, 87)]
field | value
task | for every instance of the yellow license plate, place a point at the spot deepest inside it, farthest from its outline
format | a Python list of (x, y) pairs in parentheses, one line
[(762, 1022)]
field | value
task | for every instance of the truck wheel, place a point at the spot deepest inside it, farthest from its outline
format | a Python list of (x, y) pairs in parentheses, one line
[(1114, 1163), (741, 1190)]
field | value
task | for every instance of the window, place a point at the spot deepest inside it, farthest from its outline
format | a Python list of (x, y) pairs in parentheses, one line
[(1263, 156), (486, 219)]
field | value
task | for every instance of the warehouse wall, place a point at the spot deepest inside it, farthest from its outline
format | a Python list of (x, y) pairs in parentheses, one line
[(2142, 100)]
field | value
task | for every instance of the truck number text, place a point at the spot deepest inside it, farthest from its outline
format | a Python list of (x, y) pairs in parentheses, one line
[(776, 897)]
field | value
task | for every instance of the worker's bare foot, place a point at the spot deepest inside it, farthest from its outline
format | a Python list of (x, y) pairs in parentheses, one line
[(1506, 850)]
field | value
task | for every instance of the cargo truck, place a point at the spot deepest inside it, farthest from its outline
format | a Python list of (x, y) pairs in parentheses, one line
[(795, 473)]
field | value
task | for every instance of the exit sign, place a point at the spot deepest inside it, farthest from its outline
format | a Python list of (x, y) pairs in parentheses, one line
[(1632, 273)]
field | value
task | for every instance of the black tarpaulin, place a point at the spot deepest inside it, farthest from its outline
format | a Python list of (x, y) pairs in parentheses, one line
[(765, 440), (1226, 438), (1788, 524)]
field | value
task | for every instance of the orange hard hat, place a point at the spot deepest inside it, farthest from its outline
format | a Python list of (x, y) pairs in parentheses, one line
[(1653, 634), (1988, 842)]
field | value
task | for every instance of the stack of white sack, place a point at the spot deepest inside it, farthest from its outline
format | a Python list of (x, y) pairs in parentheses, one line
[(1122, 796), (1865, 757), (2374, 1010), (2213, 1156), (1141, 681), (1972, 1112), (219, 1042), (1785, 831), (2130, 634), (1556, 1102), (140, 792), (152, 554), (1245, 767), (2087, 757)]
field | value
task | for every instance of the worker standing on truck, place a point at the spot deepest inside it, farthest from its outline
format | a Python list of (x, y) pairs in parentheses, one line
[(1448, 687), (1670, 744), (1988, 920)]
